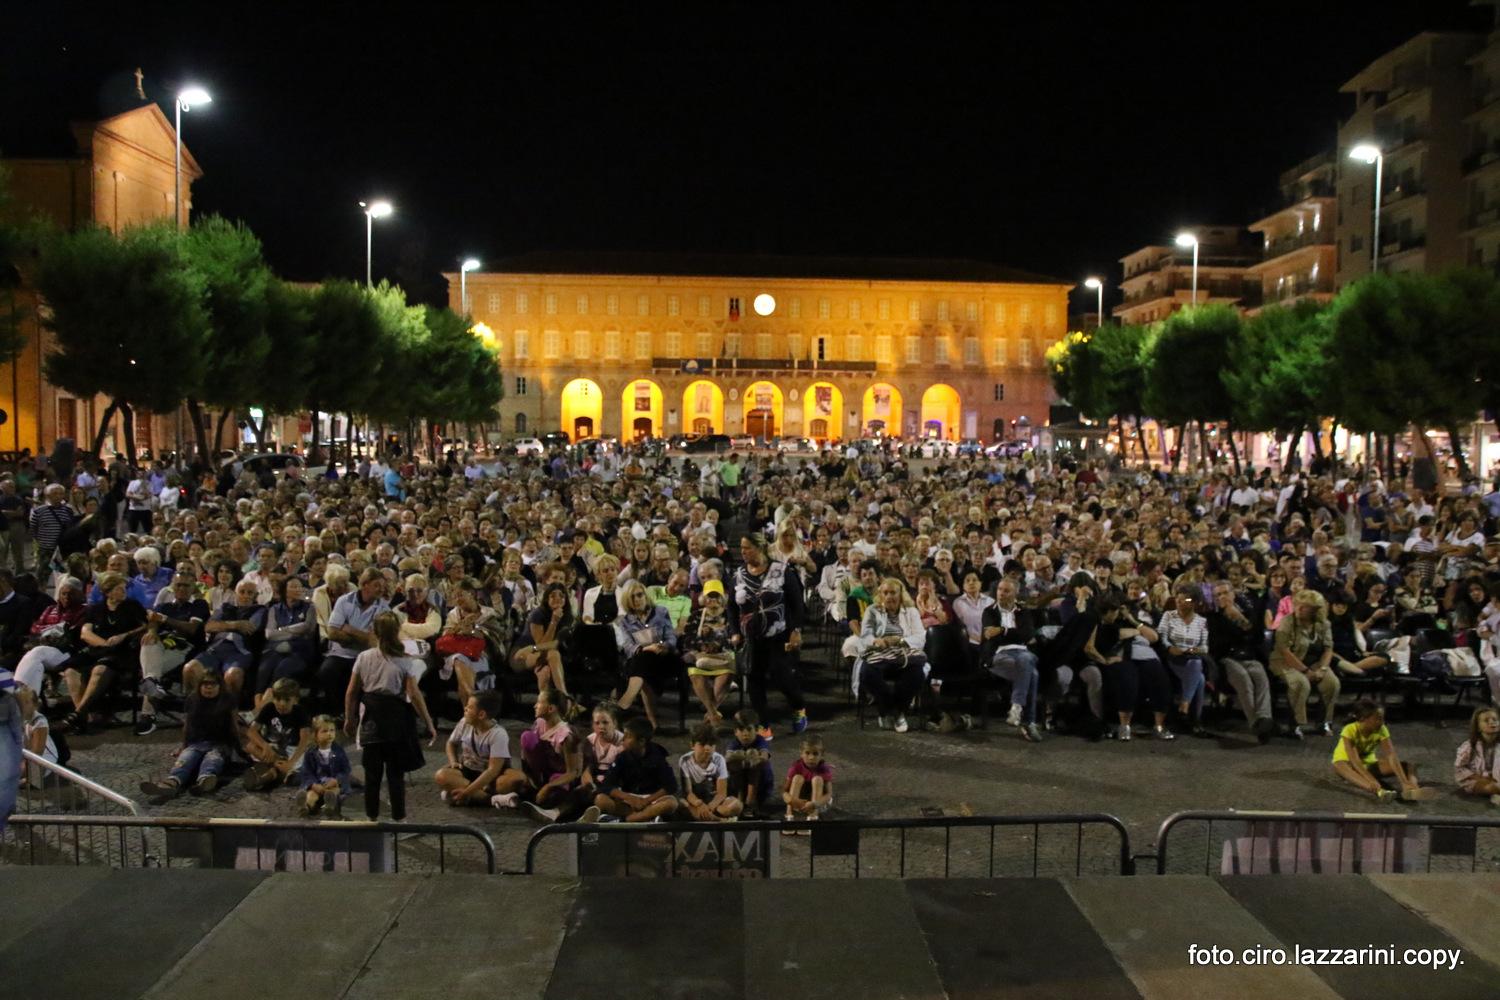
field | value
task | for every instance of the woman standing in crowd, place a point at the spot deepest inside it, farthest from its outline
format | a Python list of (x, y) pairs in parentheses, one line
[(765, 616), (383, 705)]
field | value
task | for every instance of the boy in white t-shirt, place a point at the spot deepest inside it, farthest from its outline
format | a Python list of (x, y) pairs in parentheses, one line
[(705, 780), (478, 751)]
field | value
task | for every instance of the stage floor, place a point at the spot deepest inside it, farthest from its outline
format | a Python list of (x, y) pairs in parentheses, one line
[(85, 933)]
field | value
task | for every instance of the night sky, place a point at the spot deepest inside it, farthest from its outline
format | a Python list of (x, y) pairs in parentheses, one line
[(1051, 137)]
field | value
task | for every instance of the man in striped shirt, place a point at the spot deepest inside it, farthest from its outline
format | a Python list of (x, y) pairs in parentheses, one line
[(48, 522)]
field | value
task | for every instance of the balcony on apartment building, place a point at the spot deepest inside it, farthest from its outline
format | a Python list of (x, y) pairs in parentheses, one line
[(1488, 153), (1283, 245), (1401, 244), (1296, 288), (694, 366), (1482, 219), (1407, 187), (1246, 293)]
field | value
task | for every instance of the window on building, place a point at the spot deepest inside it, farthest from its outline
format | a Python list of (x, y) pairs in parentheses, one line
[(674, 305), (1023, 352), (494, 302), (998, 357), (550, 303), (913, 350), (520, 423), (1317, 220), (581, 343), (971, 350), (762, 345), (1050, 314), (705, 344), (612, 344), (999, 392), (1025, 313), (612, 305), (940, 351), (643, 305), (734, 309), (820, 345), (583, 305), (523, 303), (971, 312), (732, 344), (999, 313), (642, 344), (703, 305), (883, 349), (520, 385), (1356, 244), (854, 347), (914, 311), (523, 344), (794, 345), (942, 310), (552, 344), (673, 344), (856, 309), (883, 309), (794, 309), (825, 309)]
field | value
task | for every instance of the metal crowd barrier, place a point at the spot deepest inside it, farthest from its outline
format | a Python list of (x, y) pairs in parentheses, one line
[(260, 845), (937, 847), (1297, 843)]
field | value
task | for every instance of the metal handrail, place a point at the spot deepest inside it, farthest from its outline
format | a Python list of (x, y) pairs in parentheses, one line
[(1253, 816), (944, 823), (74, 778)]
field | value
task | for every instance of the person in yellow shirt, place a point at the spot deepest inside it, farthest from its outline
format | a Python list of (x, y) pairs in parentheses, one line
[(1365, 754)]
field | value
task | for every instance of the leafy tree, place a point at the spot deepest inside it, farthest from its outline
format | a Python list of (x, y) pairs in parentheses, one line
[(128, 318), (236, 282), (281, 385), (1404, 349), (462, 374), (1279, 374), (343, 346), (1184, 376), (1121, 351)]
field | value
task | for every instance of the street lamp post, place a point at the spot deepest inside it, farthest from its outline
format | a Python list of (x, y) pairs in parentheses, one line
[(186, 98), (374, 210), (1189, 240), (1367, 152), (469, 264), (1098, 286)]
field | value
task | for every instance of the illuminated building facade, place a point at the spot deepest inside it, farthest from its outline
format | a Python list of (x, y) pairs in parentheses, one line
[(826, 348)]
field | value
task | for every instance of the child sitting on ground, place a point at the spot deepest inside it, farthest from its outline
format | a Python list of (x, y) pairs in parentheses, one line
[(705, 780), (641, 786), (280, 735), (1365, 754), (210, 732), (325, 771), (809, 784), (1476, 768), (748, 757), (478, 751)]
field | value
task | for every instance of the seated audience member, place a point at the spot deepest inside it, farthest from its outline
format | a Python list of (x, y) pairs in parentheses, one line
[(809, 784), (640, 787), (1302, 657), (1476, 766), (325, 772), (891, 661), (705, 780), (278, 738), (110, 643), (230, 633), (1364, 755), (748, 757), (478, 752), (291, 630), (210, 732)]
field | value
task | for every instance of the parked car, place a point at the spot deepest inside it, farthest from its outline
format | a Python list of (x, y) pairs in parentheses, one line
[(743, 442), (556, 439), (971, 446), (277, 462), (938, 448), (1008, 449), (705, 444), (679, 442), (528, 446), (796, 444)]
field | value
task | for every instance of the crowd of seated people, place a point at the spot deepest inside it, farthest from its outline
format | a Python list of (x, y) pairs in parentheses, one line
[(1108, 602)]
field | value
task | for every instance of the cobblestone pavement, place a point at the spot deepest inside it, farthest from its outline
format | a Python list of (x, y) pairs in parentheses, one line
[(989, 771)]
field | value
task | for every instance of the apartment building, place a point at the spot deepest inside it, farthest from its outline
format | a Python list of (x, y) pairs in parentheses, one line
[(1158, 278), (1299, 253)]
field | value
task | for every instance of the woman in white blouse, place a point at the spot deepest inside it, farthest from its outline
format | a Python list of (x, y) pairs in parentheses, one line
[(891, 663), (1185, 634)]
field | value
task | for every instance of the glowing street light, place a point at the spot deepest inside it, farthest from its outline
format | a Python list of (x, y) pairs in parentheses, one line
[(374, 210), (186, 98), (1189, 240), (469, 264), (1097, 286), (1368, 152)]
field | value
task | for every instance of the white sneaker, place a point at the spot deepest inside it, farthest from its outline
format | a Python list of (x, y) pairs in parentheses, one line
[(881, 722), (506, 801), (591, 815), (545, 815), (901, 725), (1123, 733), (1013, 718)]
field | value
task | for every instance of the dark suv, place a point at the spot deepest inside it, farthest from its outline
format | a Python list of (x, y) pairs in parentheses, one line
[(707, 443)]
